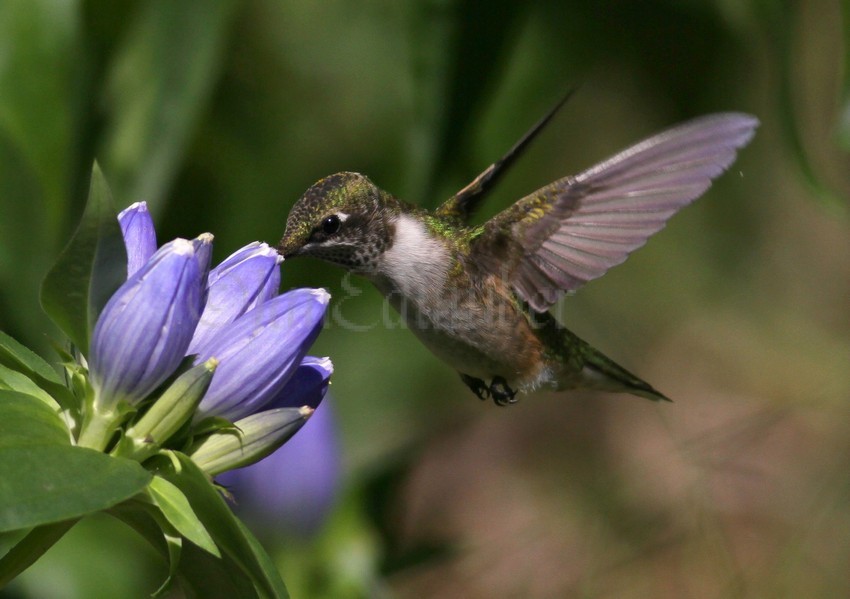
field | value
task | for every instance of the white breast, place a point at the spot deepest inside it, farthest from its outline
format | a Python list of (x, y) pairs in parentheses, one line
[(416, 263)]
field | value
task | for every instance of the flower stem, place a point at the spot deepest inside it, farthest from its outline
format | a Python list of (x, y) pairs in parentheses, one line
[(97, 429), (30, 548)]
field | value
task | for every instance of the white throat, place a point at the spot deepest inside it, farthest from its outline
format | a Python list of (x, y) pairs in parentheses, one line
[(416, 264)]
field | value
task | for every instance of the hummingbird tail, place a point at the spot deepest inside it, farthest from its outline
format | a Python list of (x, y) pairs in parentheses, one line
[(601, 372), (581, 366)]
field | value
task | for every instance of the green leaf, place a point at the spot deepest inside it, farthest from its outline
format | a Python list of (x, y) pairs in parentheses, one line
[(779, 20), (90, 268), (205, 575), (41, 484), (40, 71), (15, 381), (23, 359), (177, 510), (160, 80), (26, 420), (174, 542), (227, 531), (27, 551), (459, 51)]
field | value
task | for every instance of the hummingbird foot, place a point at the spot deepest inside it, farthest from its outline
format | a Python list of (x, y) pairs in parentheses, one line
[(501, 393), (479, 387)]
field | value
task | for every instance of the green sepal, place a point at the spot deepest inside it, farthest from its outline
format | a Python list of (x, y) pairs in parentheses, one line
[(213, 424), (230, 535), (167, 414), (90, 268)]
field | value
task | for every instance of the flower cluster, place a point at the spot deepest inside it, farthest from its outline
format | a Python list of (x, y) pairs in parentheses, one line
[(182, 344)]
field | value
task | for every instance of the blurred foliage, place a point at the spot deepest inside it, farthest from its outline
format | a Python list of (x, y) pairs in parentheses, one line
[(221, 113)]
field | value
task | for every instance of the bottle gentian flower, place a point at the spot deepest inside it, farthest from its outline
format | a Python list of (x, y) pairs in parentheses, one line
[(301, 499), (259, 351), (244, 280), (144, 330), (247, 342), (139, 235)]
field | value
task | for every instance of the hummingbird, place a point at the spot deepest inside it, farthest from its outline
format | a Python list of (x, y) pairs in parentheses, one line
[(478, 295)]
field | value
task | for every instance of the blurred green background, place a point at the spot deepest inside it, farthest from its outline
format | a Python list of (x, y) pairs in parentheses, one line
[(221, 113)]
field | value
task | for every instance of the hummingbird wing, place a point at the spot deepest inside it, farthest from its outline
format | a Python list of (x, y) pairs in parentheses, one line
[(575, 229), (464, 203)]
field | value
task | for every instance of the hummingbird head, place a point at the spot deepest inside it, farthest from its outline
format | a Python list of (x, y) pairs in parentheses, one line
[(341, 219)]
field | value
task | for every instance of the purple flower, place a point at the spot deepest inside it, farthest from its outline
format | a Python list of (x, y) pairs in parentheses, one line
[(230, 318), (296, 486), (243, 281), (144, 330), (259, 351), (139, 235)]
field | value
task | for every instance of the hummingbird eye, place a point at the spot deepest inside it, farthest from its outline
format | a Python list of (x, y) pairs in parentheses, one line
[(331, 224)]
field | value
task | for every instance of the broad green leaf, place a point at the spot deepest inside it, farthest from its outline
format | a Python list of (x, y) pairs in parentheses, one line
[(26, 420), (23, 359), (459, 51), (215, 578), (227, 531), (15, 381), (779, 20), (27, 551), (174, 542), (204, 574), (39, 64), (157, 86), (177, 510), (90, 268), (41, 484)]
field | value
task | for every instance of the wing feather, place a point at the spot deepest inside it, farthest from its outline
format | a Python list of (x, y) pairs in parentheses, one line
[(575, 229)]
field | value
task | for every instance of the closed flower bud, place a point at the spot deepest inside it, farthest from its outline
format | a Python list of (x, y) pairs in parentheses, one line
[(169, 412), (255, 437), (259, 352), (243, 281), (144, 330), (139, 235)]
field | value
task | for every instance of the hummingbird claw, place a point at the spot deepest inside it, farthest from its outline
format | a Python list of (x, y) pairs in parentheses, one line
[(479, 387), (501, 393)]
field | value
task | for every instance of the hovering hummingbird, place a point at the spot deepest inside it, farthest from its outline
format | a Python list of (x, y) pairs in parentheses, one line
[(477, 295)]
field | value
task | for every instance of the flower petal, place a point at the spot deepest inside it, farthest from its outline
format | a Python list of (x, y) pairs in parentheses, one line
[(139, 235), (259, 351), (143, 332), (307, 386), (243, 281)]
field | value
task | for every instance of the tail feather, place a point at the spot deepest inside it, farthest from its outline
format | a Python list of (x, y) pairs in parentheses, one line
[(601, 372), (581, 366)]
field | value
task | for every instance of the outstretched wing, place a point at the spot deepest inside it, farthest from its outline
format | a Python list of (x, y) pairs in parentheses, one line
[(575, 229)]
